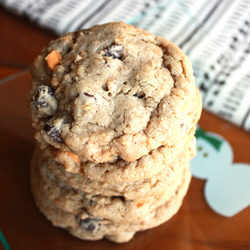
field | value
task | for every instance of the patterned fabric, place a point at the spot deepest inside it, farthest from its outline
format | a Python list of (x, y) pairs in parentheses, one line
[(214, 34)]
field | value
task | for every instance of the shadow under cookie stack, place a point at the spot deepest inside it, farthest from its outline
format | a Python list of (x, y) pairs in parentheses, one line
[(115, 110)]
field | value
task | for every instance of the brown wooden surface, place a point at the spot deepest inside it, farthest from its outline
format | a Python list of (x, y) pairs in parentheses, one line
[(195, 227)]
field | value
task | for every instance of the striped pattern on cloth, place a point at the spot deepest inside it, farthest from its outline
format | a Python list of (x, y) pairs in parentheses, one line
[(215, 34)]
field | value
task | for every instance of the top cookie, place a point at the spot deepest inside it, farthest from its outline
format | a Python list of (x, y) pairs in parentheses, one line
[(110, 91)]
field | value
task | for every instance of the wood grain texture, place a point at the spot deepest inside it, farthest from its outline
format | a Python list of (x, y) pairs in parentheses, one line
[(195, 227)]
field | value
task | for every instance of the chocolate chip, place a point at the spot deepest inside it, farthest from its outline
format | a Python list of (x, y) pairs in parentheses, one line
[(115, 51), (53, 133), (89, 225)]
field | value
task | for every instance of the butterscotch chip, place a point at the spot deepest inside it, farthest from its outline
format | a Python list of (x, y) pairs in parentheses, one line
[(53, 59), (73, 156)]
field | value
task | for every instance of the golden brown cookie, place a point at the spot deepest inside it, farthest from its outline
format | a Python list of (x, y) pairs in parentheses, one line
[(113, 208), (88, 228), (109, 92), (123, 171), (129, 190)]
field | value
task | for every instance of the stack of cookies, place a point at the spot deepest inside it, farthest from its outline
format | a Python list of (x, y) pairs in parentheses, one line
[(115, 109)]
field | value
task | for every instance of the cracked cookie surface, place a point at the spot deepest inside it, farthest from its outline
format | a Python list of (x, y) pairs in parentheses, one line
[(112, 91), (121, 171)]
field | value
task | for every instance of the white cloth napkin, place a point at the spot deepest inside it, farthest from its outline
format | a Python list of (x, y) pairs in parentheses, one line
[(215, 34)]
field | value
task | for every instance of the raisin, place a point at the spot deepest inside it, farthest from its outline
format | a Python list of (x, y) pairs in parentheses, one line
[(53, 133), (115, 51), (89, 225), (47, 127), (89, 95), (45, 101), (41, 96), (139, 96)]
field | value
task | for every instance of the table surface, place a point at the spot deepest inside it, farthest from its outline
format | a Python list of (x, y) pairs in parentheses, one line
[(195, 226)]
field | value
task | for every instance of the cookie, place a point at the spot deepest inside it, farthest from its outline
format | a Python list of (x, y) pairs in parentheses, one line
[(122, 171), (109, 92), (115, 208), (129, 190), (96, 228)]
